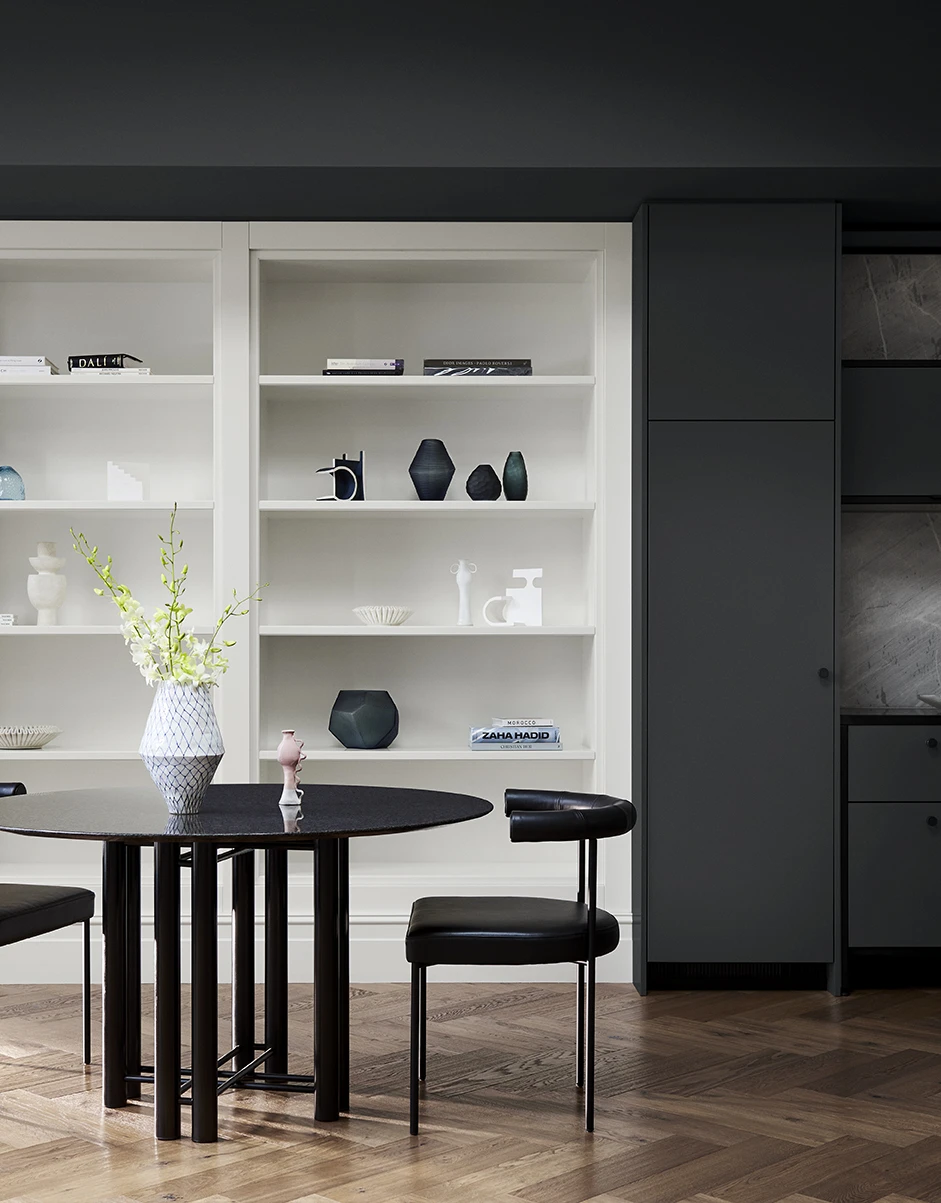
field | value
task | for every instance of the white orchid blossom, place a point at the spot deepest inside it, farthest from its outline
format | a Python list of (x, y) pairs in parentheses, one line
[(160, 646)]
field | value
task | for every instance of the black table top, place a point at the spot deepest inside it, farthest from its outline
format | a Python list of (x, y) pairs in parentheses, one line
[(234, 814)]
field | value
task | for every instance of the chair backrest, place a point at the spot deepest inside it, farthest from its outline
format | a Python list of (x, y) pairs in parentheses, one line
[(538, 815), (555, 815), (8, 788)]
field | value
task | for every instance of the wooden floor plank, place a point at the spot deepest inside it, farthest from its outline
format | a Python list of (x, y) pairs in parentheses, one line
[(726, 1097)]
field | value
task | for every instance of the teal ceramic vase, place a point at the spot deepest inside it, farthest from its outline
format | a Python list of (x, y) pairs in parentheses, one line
[(515, 479)]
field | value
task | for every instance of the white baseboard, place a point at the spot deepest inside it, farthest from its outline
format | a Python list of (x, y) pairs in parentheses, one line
[(379, 909)]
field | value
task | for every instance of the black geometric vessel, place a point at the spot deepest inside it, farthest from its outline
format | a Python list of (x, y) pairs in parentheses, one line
[(515, 478), (483, 484), (364, 718), (431, 470)]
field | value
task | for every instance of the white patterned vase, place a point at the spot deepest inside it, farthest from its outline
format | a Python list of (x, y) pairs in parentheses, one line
[(182, 744)]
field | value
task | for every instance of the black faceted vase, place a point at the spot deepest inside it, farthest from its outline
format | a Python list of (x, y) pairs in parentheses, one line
[(431, 470), (515, 480), (364, 718), (483, 484)]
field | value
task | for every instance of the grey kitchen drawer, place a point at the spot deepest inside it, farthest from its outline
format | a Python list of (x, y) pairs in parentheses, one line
[(894, 878), (894, 763)]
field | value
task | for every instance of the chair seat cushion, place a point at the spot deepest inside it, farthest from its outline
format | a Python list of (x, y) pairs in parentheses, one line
[(504, 931), (27, 910)]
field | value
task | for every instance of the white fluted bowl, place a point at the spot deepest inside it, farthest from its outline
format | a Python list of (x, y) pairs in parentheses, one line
[(383, 616), (23, 739)]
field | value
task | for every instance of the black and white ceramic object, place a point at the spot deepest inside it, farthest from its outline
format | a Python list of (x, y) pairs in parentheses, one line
[(348, 479), (364, 718), (483, 484), (431, 470), (515, 478)]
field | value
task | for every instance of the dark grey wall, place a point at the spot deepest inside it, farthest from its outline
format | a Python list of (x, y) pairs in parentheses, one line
[(676, 99)]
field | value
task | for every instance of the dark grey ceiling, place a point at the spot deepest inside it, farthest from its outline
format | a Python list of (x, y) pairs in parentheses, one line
[(517, 108)]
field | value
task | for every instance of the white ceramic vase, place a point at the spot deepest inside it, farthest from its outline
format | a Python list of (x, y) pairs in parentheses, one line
[(182, 744), (46, 586)]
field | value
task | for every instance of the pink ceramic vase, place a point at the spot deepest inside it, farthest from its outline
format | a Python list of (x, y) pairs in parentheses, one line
[(291, 757)]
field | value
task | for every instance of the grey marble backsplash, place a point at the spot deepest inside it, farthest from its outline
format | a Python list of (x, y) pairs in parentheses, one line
[(891, 608), (892, 306)]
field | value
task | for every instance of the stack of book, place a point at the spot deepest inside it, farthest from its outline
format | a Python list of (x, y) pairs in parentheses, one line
[(516, 735), (116, 364), (478, 367), (27, 365), (365, 367)]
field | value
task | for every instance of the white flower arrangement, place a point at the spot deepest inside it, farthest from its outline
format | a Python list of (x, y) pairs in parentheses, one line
[(160, 647)]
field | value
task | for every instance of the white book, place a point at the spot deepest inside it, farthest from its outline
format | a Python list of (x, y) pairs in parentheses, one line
[(109, 372), (521, 748), (523, 722), (371, 365), (23, 371), (26, 361)]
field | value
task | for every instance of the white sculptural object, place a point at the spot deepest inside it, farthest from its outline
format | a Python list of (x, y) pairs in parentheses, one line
[(291, 757), (522, 606), (46, 587), (463, 570)]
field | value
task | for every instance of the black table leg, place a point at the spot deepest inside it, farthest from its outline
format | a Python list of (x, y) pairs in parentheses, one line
[(243, 958), (326, 972), (205, 994), (132, 1056), (343, 974), (114, 974), (276, 959), (167, 992)]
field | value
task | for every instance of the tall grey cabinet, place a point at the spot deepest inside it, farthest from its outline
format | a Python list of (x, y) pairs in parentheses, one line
[(737, 502)]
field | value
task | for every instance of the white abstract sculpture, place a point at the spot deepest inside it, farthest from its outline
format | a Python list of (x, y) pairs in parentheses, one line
[(127, 482), (463, 570), (46, 587), (521, 607)]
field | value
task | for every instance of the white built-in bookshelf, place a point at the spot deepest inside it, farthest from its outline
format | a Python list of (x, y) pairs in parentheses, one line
[(236, 321)]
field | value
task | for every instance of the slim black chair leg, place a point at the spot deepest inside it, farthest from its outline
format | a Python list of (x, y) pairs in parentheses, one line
[(580, 1028), (590, 1052), (413, 1052), (86, 992), (423, 1022)]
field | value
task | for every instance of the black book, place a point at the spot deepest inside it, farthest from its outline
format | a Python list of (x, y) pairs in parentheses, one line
[(101, 361), (478, 363)]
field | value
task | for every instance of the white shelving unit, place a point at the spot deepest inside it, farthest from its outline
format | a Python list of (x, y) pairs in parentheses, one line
[(236, 320)]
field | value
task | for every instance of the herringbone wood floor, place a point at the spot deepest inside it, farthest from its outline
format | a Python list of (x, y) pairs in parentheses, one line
[(702, 1098)]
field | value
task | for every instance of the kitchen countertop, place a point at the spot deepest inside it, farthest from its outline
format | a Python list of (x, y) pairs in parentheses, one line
[(858, 716)]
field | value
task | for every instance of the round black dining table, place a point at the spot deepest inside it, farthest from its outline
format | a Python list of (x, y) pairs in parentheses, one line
[(233, 822)]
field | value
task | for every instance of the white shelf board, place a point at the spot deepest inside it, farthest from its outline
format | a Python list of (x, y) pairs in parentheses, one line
[(85, 506), (87, 629), (65, 754), (104, 381), (431, 754), (462, 632), (518, 383), (516, 508)]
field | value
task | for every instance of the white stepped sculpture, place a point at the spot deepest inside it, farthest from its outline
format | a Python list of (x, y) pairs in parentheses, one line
[(128, 482), (46, 586)]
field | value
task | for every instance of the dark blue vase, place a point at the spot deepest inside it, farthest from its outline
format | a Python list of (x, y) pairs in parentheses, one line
[(364, 718), (431, 470), (515, 479)]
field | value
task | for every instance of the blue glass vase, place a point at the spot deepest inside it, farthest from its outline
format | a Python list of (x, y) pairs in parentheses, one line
[(11, 485)]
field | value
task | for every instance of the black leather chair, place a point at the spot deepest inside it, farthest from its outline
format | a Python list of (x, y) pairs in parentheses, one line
[(525, 931), (27, 911)]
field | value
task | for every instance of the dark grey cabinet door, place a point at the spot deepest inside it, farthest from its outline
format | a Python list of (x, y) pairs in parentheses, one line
[(741, 311), (892, 430), (740, 725), (894, 875)]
